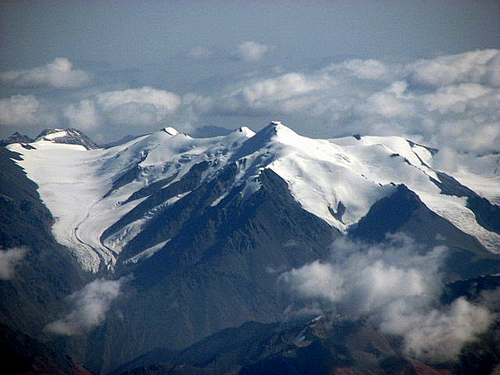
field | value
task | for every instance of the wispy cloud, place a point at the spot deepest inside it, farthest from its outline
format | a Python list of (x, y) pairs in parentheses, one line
[(9, 259), (481, 66), (59, 73), (142, 107), (439, 333), (200, 52), (397, 284), (90, 305)]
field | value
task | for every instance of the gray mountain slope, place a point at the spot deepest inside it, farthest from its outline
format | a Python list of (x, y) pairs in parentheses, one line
[(217, 262), (217, 272)]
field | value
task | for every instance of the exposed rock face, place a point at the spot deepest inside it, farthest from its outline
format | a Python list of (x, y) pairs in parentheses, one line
[(15, 138), (67, 136)]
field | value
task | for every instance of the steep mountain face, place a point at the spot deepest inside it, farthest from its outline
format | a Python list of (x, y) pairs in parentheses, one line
[(36, 275), (202, 228), (16, 138), (67, 136), (126, 187), (227, 277), (32, 294)]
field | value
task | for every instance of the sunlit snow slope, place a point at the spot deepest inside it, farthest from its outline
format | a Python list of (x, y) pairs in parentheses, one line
[(337, 180)]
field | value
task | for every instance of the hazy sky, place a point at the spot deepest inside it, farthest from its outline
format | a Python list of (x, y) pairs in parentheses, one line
[(118, 67), (131, 33)]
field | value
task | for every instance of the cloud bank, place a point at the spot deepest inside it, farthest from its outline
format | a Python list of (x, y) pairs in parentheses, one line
[(59, 73), (9, 259), (90, 305), (396, 285), (448, 102)]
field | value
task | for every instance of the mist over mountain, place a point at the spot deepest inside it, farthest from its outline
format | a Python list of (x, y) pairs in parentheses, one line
[(166, 239)]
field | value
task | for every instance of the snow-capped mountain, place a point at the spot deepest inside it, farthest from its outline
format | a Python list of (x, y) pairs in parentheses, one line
[(16, 138), (103, 198), (67, 136), (197, 231)]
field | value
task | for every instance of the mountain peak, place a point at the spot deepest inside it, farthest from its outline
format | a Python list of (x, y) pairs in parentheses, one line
[(171, 131), (276, 128), (273, 133), (67, 136), (276, 123), (15, 138), (247, 131)]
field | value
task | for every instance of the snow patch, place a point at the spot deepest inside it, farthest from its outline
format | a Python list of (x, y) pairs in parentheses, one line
[(148, 253)]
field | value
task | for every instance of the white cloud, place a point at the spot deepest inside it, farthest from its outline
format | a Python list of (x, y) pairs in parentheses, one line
[(251, 51), (363, 69), (475, 66), (396, 285), (9, 259), (146, 106), (455, 98), (199, 52), (445, 160), (440, 334), (326, 283), (90, 305), (21, 110), (390, 102), (494, 71), (287, 93), (82, 116), (59, 73), (187, 114), (450, 101)]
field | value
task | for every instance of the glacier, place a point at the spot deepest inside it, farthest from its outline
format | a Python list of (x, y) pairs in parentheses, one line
[(87, 189)]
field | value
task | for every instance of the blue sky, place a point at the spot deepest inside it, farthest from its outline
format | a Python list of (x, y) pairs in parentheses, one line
[(325, 68)]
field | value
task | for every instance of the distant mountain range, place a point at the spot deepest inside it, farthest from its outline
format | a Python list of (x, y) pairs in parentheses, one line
[(166, 239)]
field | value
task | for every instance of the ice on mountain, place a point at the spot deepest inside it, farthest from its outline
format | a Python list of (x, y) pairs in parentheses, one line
[(79, 185), (170, 131)]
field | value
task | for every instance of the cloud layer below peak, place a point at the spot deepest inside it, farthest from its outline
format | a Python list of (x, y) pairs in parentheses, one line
[(89, 307), (397, 286)]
